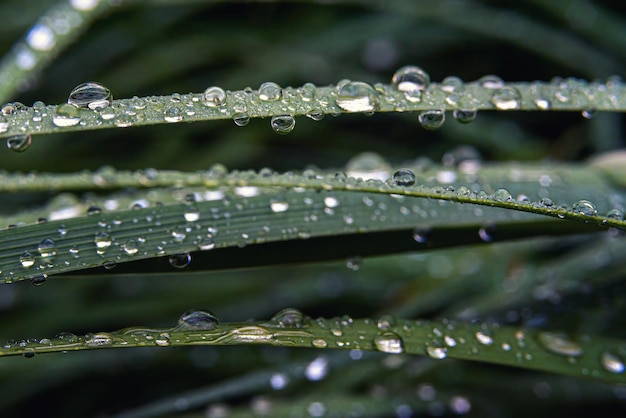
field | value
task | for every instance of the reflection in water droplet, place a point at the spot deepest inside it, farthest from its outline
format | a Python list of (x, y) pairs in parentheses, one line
[(484, 338), (91, 95), (438, 353), (289, 318), (389, 342), (615, 214), (357, 96), (559, 344), (585, 207), (464, 115), (612, 363), (283, 124), (180, 261), (197, 320), (404, 177), (66, 115), (241, 119), (214, 97), (506, 98), (39, 280), (19, 143), (432, 119), (270, 92), (487, 233)]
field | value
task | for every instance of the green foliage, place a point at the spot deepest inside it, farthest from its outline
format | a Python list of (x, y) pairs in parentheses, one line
[(372, 279)]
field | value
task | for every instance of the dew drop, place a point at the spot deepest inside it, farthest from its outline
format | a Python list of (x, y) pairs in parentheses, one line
[(331, 202), (319, 343), (615, 214), (163, 339), (289, 318), (410, 78), (100, 339), (84, 5), (437, 353), (241, 118), (464, 115), (357, 96), (483, 338), (173, 114), (502, 195), (93, 210), (585, 207), (491, 81), (214, 97), (191, 214), (354, 263), (542, 103), (131, 247), (19, 143), (386, 322), (67, 337), (270, 92), (197, 320), (612, 363), (180, 261), (279, 205), (389, 342), (102, 241), (432, 119), (39, 280), (27, 260), (66, 115), (206, 244), (404, 178), (506, 98), (47, 248), (316, 115), (559, 344), (91, 95), (283, 124)]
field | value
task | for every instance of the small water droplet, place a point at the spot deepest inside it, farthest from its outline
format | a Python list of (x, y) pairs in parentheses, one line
[(464, 115), (357, 96), (93, 210), (39, 279), (241, 118), (585, 207), (180, 261), (19, 143), (484, 338), (404, 177), (279, 205), (491, 81), (559, 344), (270, 92), (615, 214), (103, 242), (451, 84), (368, 166), (100, 339), (410, 78), (214, 97), (432, 119), (612, 363), (47, 248), (173, 114), (389, 342), (197, 320), (503, 195), (206, 244), (91, 95), (131, 247), (27, 260), (289, 318), (437, 353), (191, 214), (450, 341), (66, 115), (283, 124), (331, 202), (386, 322), (506, 98)]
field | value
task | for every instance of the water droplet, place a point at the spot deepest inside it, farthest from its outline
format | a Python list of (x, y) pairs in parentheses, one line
[(585, 207), (100, 339), (214, 97), (197, 320), (206, 244), (103, 242), (173, 114), (354, 263), (389, 342), (131, 247), (47, 248), (491, 81), (450, 342), (39, 279), (357, 96), (451, 84), (506, 98), (615, 214), (279, 205), (331, 202), (559, 344), (464, 115), (432, 119), (180, 261), (289, 318), (283, 124), (27, 260), (410, 78), (612, 363), (484, 338), (91, 95), (404, 178), (19, 143), (163, 339), (241, 119), (66, 115), (438, 353), (191, 214), (503, 195), (270, 92), (589, 113), (421, 235), (386, 322), (319, 343)]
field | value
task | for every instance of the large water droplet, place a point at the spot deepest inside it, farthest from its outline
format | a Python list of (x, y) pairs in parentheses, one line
[(92, 95), (615, 214), (47, 248), (560, 344), (289, 318), (180, 261), (410, 78), (506, 98), (503, 195), (404, 177), (270, 92), (386, 322), (585, 207), (357, 96), (19, 143), (283, 124), (197, 320), (389, 342), (27, 260), (214, 97), (438, 353), (66, 115), (612, 363), (432, 119), (39, 280)]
